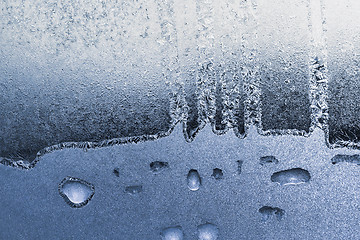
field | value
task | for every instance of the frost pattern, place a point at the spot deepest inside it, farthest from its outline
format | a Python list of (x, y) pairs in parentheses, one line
[(318, 67), (104, 71)]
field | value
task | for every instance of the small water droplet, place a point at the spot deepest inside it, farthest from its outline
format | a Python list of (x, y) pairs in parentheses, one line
[(76, 192), (268, 159), (267, 212), (158, 166), (116, 172), (172, 233), (134, 189), (292, 176), (193, 180), (240, 163), (355, 159), (208, 231), (217, 173)]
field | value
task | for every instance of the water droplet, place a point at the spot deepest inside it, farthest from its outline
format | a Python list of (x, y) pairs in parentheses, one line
[(193, 180), (291, 176), (240, 163), (217, 173), (158, 166), (268, 159), (172, 233), (208, 231), (346, 158), (267, 212), (134, 189), (116, 172), (76, 192)]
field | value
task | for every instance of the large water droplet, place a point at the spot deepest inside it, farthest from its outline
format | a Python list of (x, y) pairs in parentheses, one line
[(172, 233), (291, 176), (193, 180), (267, 212), (76, 192), (208, 231)]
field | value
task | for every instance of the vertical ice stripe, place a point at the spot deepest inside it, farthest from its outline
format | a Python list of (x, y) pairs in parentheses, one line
[(283, 46), (342, 34)]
